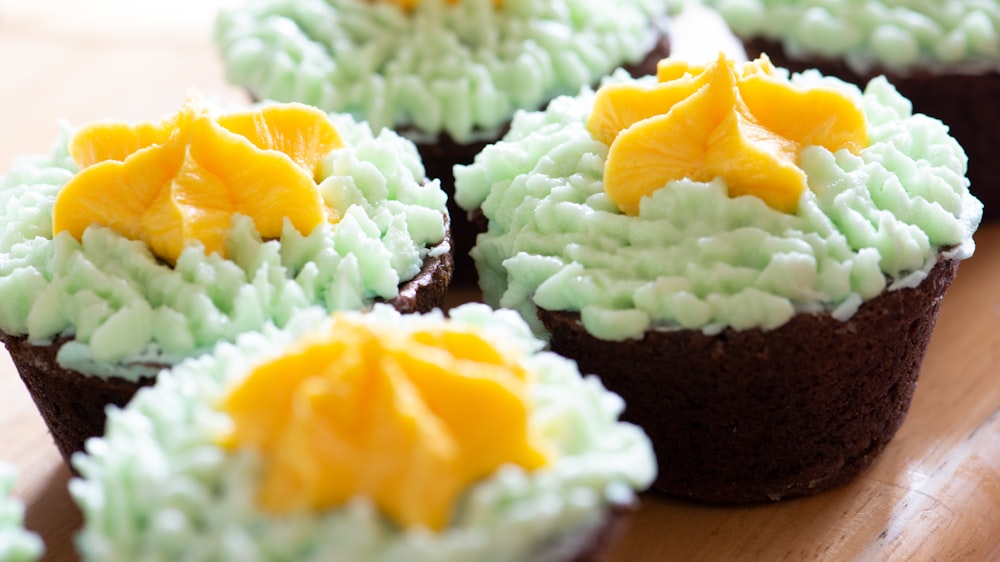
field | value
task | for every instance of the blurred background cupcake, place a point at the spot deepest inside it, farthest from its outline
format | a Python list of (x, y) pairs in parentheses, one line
[(447, 74), (944, 56), (135, 245)]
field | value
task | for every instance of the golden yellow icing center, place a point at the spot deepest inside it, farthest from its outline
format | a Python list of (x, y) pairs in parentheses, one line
[(745, 124), (408, 419), (181, 180)]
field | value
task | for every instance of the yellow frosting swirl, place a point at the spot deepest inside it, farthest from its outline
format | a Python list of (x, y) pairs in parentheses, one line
[(181, 180), (745, 124), (409, 419)]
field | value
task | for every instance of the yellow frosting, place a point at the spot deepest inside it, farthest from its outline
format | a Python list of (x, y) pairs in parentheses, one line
[(181, 180), (408, 419), (745, 124)]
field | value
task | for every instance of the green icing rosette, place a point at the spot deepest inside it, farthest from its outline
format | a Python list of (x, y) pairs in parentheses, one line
[(895, 34), (158, 487), (696, 258), (16, 544), (461, 69), (124, 308)]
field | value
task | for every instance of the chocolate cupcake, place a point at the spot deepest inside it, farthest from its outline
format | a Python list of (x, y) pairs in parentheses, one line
[(374, 436), (753, 260), (942, 56), (447, 74), (134, 246)]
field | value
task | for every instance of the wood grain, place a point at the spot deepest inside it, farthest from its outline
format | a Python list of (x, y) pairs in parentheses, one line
[(933, 495)]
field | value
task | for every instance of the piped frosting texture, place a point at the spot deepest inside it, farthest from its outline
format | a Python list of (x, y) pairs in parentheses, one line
[(16, 544), (896, 34), (462, 68), (409, 418), (176, 494), (694, 257), (124, 307)]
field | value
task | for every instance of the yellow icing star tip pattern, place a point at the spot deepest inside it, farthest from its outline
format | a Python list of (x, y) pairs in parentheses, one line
[(409, 419), (179, 181), (743, 123)]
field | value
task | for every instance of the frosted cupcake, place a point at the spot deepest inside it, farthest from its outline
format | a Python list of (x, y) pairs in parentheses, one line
[(754, 261), (447, 74), (16, 544), (134, 246), (943, 56), (366, 437)]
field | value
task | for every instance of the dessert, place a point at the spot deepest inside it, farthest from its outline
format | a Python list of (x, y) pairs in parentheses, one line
[(447, 74), (942, 56), (340, 438), (16, 544), (754, 260), (133, 246)]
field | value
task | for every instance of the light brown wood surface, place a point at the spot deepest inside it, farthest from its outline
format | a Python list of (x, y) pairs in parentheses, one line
[(933, 495)]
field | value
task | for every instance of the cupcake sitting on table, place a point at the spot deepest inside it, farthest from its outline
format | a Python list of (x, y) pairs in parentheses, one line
[(374, 437), (136, 245), (753, 260)]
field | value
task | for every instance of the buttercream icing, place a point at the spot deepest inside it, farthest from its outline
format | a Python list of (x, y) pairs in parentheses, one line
[(158, 487), (124, 308), (895, 34), (16, 543), (462, 68), (696, 258)]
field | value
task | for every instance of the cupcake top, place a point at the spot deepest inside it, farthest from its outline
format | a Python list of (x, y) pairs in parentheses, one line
[(16, 544), (340, 438), (897, 34), (459, 67), (716, 196), (150, 242)]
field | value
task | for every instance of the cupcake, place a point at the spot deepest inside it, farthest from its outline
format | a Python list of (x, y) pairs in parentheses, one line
[(943, 56), (16, 544), (372, 437), (753, 260), (447, 74), (134, 246)]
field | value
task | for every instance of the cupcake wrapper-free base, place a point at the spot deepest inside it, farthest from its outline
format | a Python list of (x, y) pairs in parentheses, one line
[(751, 415)]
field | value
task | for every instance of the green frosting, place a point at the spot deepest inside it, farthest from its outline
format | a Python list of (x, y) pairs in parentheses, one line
[(16, 544), (896, 34), (462, 69), (123, 308), (695, 258), (157, 487)]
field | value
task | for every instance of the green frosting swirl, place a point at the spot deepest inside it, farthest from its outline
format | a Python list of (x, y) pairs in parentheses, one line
[(16, 544), (124, 308), (157, 487), (696, 258), (896, 34), (462, 69)]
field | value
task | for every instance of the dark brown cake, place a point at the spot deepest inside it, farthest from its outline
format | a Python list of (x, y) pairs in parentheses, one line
[(73, 404), (750, 416), (444, 153), (966, 102)]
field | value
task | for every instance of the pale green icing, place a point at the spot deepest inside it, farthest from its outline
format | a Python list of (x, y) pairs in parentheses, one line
[(896, 34), (156, 487), (123, 307), (462, 69), (696, 258), (16, 543)]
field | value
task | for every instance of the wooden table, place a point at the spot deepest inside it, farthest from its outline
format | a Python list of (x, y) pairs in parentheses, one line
[(933, 495)]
